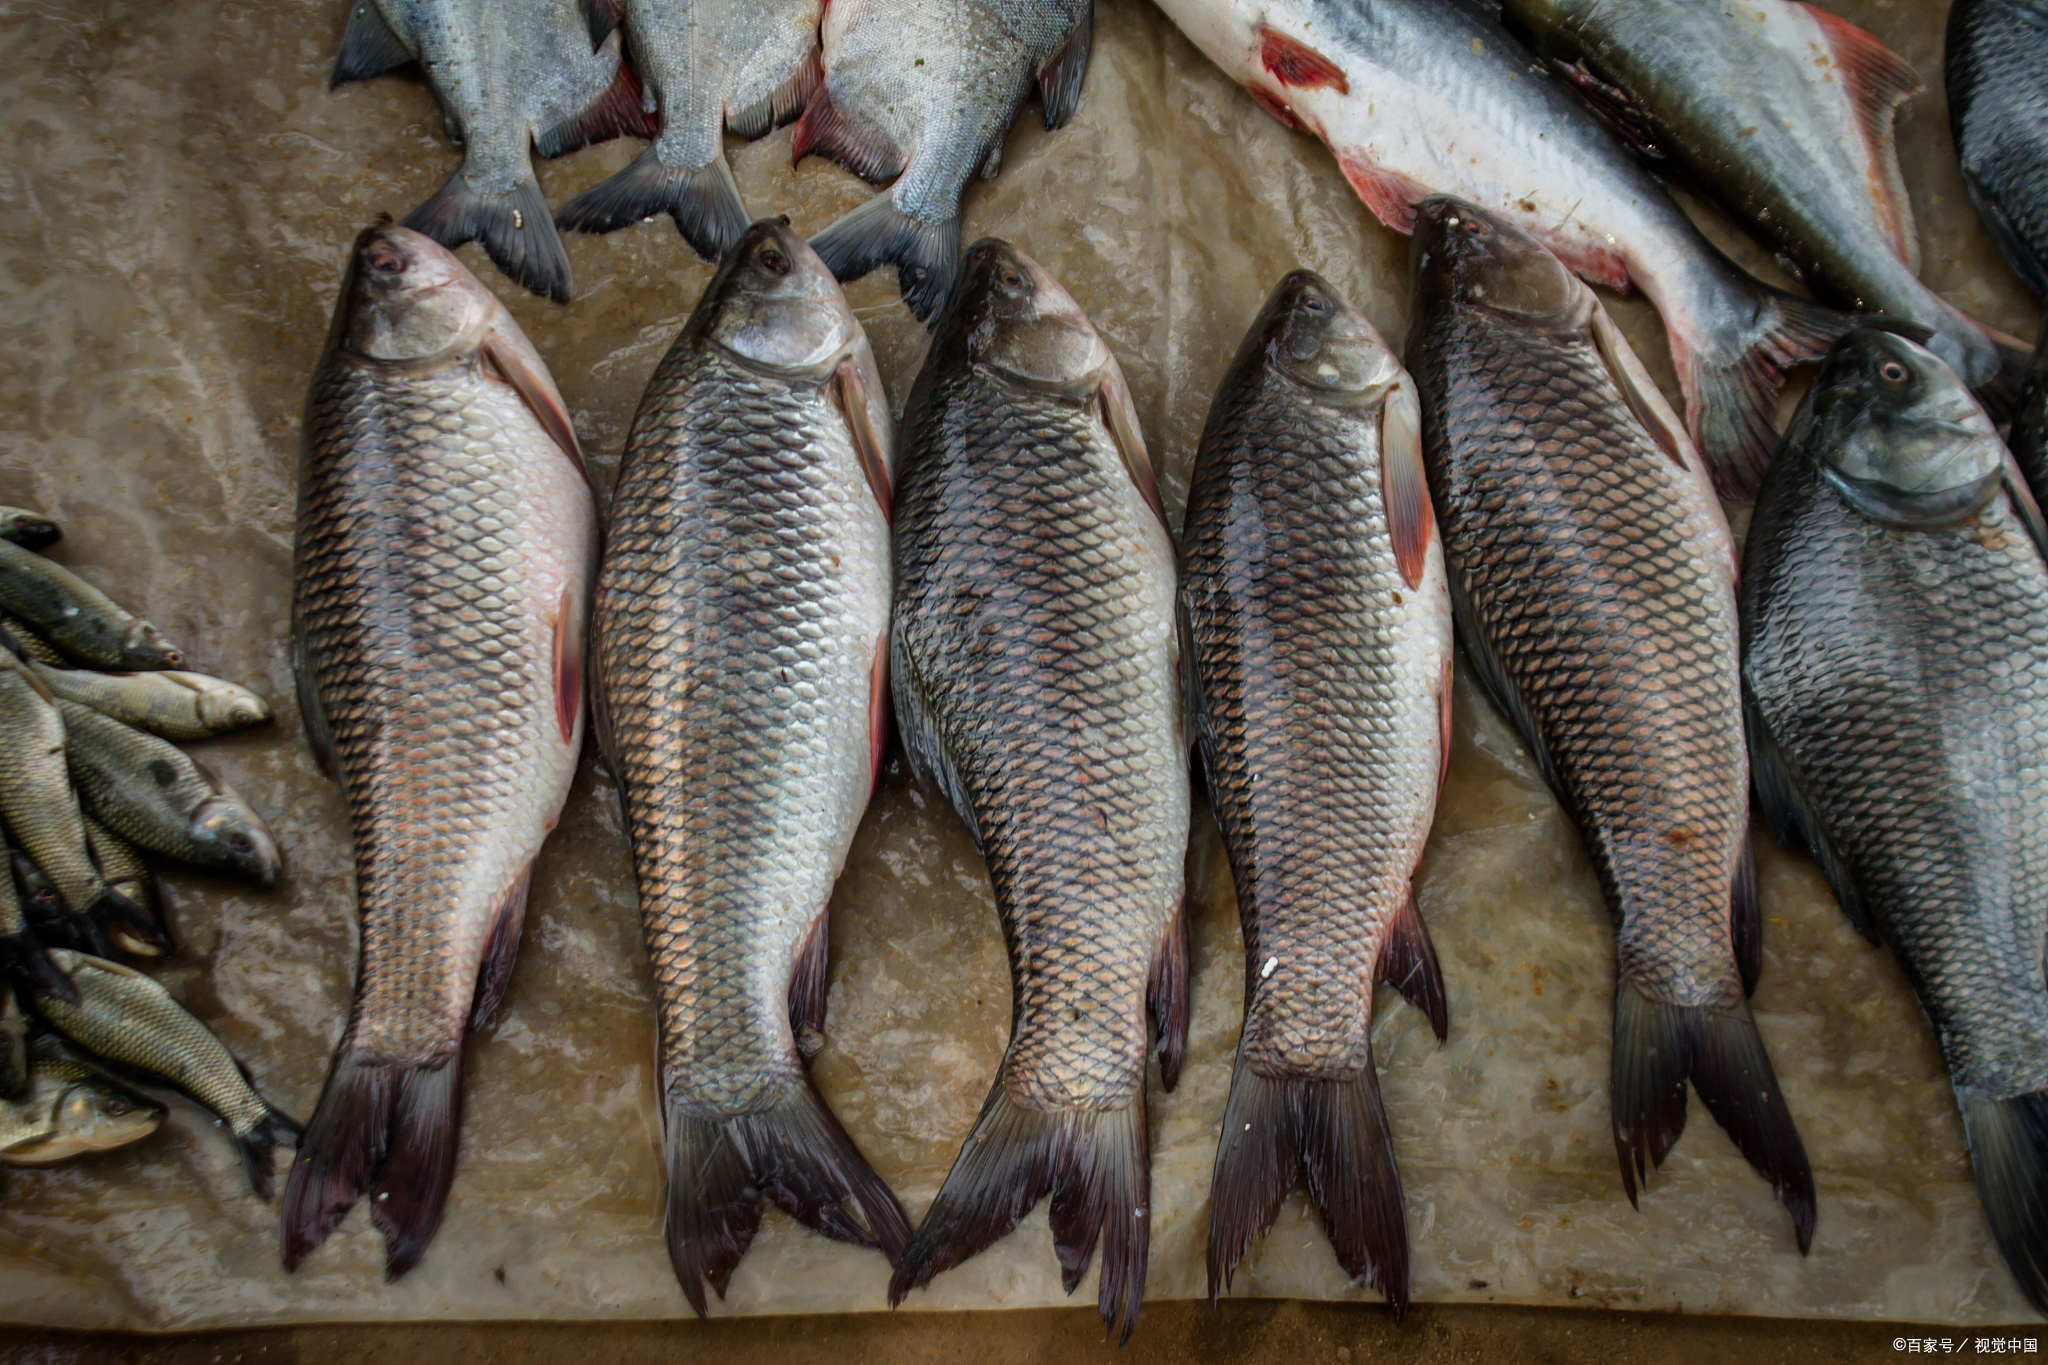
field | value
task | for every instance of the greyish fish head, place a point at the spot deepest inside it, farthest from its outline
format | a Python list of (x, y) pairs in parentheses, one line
[(86, 1112), (1465, 256), (408, 299), (774, 304), (1015, 320), (224, 705), (1313, 335), (1898, 434), (228, 833)]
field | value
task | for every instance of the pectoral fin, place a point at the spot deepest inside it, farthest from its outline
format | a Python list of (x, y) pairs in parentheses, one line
[(509, 359)]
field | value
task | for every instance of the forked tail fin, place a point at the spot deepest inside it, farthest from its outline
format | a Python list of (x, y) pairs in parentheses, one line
[(926, 255), (1275, 1129), (1096, 1164), (705, 203), (1657, 1048), (2009, 1151), (796, 1154), (517, 230)]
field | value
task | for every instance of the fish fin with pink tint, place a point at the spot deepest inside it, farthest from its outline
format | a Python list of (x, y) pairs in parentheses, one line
[(1404, 483), (1391, 197), (848, 390), (1059, 80), (506, 357), (1408, 963), (1120, 416), (1662, 425), (1296, 65), (879, 711), (1166, 995), (1877, 81), (569, 669), (831, 132)]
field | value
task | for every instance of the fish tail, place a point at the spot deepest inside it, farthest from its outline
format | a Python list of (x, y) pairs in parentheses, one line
[(797, 1154), (2009, 1151), (127, 926), (257, 1146), (1731, 376), (517, 230), (1657, 1048), (1096, 1163), (1277, 1127), (704, 202), (926, 254), (388, 1129)]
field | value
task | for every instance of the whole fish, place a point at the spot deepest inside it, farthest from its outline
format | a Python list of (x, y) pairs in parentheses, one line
[(742, 614), (446, 540), (181, 706), (71, 1109), (1593, 578), (1320, 630), (1895, 668), (1783, 113), (76, 617), (922, 92), (709, 65), (1034, 665), (1417, 97), (125, 1018), (1995, 64), (511, 76), (40, 809), (30, 530), (2029, 440), (156, 795)]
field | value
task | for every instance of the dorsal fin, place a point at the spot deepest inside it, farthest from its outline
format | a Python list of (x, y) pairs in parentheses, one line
[(1878, 81)]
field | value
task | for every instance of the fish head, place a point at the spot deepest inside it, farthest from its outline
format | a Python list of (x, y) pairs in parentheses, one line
[(1899, 435), (1313, 335), (1461, 255), (88, 1114), (224, 705), (143, 648), (408, 299), (775, 305), (229, 834), (1014, 320)]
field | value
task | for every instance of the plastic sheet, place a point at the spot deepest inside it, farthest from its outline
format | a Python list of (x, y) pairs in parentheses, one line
[(174, 211)]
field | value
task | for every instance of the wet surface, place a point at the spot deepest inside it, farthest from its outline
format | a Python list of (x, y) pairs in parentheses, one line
[(173, 219)]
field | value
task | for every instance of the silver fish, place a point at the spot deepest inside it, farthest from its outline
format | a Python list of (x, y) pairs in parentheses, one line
[(70, 1109), (79, 619), (175, 705)]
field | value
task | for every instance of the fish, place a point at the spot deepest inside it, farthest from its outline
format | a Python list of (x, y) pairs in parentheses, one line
[(1034, 664), (921, 93), (2029, 438), (40, 809), (18, 636), (1783, 114), (22, 955), (170, 704), (708, 65), (125, 1018), (71, 1109), (1319, 657), (30, 530), (1389, 85), (1995, 68), (446, 541), (743, 715), (125, 869), (80, 620), (511, 76), (1573, 505), (1895, 674), (157, 796)]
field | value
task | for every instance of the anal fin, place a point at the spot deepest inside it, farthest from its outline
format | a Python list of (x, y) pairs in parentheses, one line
[(808, 982), (1166, 995), (501, 951), (1408, 964), (621, 111)]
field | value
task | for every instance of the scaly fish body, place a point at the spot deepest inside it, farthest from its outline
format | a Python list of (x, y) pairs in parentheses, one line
[(1594, 579), (922, 92), (1417, 97), (1784, 114), (1320, 624), (709, 65), (1995, 64), (446, 538), (742, 611), (1034, 666)]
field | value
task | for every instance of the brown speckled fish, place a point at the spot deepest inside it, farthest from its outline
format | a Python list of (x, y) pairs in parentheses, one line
[(741, 615), (1593, 577), (1035, 671), (1320, 643), (446, 539)]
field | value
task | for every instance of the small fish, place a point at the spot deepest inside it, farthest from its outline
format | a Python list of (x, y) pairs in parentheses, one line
[(157, 796), (30, 530), (763, 439), (71, 1109), (922, 92), (511, 76), (1319, 627), (125, 1018), (1995, 64), (1783, 113), (446, 541), (76, 617), (1035, 669), (1895, 671), (175, 705), (41, 810), (125, 869), (709, 65), (1593, 579), (1422, 97)]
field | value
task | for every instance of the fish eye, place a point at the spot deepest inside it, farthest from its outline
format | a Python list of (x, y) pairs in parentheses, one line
[(1011, 279), (386, 262), (1477, 228), (773, 261), (239, 842), (1315, 303), (1892, 372), (116, 1105)]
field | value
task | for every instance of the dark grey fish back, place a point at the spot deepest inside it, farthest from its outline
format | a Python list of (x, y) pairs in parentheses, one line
[(1996, 70)]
